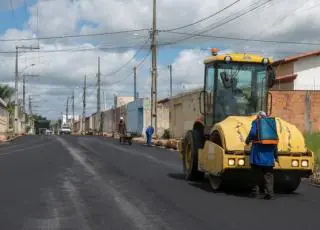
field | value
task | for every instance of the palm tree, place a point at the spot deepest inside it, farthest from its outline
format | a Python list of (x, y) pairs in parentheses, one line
[(6, 93)]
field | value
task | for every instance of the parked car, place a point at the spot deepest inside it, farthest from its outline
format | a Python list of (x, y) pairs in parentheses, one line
[(48, 132), (65, 130)]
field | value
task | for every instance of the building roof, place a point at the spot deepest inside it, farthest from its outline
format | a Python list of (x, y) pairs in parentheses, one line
[(297, 57), (181, 94), (286, 78), (164, 100)]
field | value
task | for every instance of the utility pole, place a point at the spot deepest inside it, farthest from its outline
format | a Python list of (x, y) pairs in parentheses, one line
[(72, 110), (16, 86), (170, 70), (98, 89), (31, 115), (84, 104), (135, 82), (24, 88), (154, 71), (104, 101), (67, 108), (99, 98), (24, 93)]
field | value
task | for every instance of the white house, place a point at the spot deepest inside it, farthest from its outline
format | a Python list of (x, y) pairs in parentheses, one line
[(298, 72), (64, 121)]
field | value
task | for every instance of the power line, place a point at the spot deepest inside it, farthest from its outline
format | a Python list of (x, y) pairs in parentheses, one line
[(131, 73), (133, 57), (221, 24), (242, 39), (73, 36), (76, 50), (282, 19), (203, 19)]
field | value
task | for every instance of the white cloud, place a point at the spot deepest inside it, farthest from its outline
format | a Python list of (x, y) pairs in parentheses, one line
[(61, 71)]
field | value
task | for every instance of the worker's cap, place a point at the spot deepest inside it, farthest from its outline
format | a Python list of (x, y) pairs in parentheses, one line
[(121, 118), (262, 114)]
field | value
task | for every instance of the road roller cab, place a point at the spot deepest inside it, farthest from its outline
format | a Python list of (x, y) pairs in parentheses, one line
[(236, 87)]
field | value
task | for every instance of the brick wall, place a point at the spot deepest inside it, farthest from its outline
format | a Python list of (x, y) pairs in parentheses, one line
[(300, 108)]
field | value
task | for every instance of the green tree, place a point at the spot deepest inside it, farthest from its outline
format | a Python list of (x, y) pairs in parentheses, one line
[(6, 94), (37, 117)]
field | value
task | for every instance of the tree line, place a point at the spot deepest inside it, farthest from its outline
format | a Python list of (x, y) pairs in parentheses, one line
[(7, 95)]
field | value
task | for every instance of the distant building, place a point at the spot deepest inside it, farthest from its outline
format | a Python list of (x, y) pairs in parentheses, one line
[(298, 72), (69, 121), (122, 100)]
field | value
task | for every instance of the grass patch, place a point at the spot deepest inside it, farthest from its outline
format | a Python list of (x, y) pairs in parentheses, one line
[(313, 143)]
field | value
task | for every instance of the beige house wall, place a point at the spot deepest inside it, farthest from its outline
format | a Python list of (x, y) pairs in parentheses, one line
[(162, 119), (77, 127), (184, 110), (4, 119), (122, 100), (111, 117), (108, 121), (282, 70)]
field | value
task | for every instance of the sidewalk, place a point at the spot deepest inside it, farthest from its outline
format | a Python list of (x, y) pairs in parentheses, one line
[(9, 138), (164, 143)]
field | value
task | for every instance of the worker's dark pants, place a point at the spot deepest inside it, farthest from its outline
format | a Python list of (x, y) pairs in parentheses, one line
[(149, 139), (263, 179)]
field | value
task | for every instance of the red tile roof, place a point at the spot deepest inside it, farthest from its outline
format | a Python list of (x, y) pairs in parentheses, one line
[(296, 57), (284, 78)]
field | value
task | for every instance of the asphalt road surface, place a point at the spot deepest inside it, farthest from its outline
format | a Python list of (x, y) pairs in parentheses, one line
[(56, 182)]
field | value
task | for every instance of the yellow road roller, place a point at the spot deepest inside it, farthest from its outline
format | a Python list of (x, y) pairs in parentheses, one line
[(236, 87)]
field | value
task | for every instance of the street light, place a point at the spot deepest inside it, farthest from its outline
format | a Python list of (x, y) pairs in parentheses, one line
[(27, 67), (16, 113)]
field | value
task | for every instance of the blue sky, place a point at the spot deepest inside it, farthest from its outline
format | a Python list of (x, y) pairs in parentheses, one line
[(14, 19)]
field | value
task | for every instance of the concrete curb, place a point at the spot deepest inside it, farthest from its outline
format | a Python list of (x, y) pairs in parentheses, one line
[(171, 144), (10, 139)]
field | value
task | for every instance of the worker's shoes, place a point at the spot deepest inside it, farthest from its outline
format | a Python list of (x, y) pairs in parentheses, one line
[(268, 197), (260, 195)]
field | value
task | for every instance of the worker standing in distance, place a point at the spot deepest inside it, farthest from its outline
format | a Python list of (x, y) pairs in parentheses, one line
[(149, 133), (262, 159), (122, 128)]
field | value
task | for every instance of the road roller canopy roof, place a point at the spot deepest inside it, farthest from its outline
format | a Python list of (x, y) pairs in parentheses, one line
[(236, 57)]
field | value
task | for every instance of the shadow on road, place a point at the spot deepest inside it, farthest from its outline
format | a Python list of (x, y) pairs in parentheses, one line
[(231, 191)]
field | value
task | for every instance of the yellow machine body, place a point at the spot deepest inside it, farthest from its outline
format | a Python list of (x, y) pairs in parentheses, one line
[(233, 131)]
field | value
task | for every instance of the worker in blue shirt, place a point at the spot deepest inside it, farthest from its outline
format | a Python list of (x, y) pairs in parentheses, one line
[(149, 133), (262, 159)]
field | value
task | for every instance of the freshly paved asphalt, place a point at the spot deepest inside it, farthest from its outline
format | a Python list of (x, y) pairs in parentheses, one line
[(55, 182)]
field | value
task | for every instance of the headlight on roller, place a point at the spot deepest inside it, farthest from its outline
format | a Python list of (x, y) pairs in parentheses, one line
[(241, 162), (231, 162), (304, 163), (294, 163)]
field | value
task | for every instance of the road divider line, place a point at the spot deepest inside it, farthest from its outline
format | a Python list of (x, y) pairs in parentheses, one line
[(132, 212), (77, 202)]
